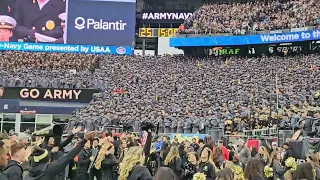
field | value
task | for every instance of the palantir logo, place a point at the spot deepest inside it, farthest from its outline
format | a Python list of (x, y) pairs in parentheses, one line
[(99, 24), (79, 23)]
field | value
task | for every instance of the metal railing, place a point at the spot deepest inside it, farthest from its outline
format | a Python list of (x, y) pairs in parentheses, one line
[(284, 135)]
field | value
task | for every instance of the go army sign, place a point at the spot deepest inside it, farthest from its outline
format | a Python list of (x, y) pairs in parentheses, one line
[(48, 94)]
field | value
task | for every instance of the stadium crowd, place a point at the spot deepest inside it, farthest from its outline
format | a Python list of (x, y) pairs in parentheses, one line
[(49, 70), (110, 157), (240, 18), (182, 94), (190, 95)]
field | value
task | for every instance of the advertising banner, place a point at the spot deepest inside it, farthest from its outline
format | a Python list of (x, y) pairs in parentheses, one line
[(48, 94), (165, 16), (99, 25), (245, 40), (101, 22), (64, 48), (186, 137)]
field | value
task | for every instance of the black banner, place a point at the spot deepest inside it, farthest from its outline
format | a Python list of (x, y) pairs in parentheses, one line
[(165, 16), (47, 94)]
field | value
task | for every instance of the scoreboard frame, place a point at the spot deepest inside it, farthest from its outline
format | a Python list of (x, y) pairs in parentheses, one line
[(157, 32)]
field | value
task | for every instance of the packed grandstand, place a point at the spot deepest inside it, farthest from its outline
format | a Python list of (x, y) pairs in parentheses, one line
[(183, 94)]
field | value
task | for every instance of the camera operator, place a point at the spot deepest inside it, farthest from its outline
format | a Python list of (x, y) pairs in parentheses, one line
[(305, 123), (43, 169)]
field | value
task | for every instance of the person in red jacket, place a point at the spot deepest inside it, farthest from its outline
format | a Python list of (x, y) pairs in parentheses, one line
[(225, 151)]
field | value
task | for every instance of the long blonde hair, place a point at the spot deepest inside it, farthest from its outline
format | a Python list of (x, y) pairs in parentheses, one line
[(266, 156), (173, 153), (134, 156), (102, 155)]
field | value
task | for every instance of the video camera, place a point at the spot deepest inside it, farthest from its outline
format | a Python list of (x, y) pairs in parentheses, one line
[(52, 131), (147, 125)]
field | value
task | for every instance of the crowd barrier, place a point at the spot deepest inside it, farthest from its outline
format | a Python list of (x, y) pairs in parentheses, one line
[(265, 133), (216, 134)]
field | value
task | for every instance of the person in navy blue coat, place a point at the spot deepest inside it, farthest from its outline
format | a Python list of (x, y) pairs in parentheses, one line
[(60, 40), (4, 10), (39, 16)]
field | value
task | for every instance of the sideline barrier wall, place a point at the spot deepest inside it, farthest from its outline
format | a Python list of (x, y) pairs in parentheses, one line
[(285, 37)]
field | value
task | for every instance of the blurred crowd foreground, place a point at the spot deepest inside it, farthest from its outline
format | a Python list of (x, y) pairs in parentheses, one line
[(147, 156)]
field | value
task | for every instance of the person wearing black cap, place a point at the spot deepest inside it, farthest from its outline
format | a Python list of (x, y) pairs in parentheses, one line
[(43, 169)]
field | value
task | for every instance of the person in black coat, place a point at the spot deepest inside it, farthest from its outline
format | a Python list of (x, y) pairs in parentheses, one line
[(56, 147), (116, 143), (50, 143), (43, 169), (304, 171), (13, 170), (182, 154), (94, 173), (252, 170), (84, 160), (191, 166), (131, 169), (61, 40), (206, 164), (165, 173), (107, 162), (3, 7), (109, 167), (173, 161), (3, 160), (287, 153), (31, 19)]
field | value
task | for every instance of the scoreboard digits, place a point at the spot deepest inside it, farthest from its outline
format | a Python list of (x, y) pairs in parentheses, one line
[(157, 32)]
